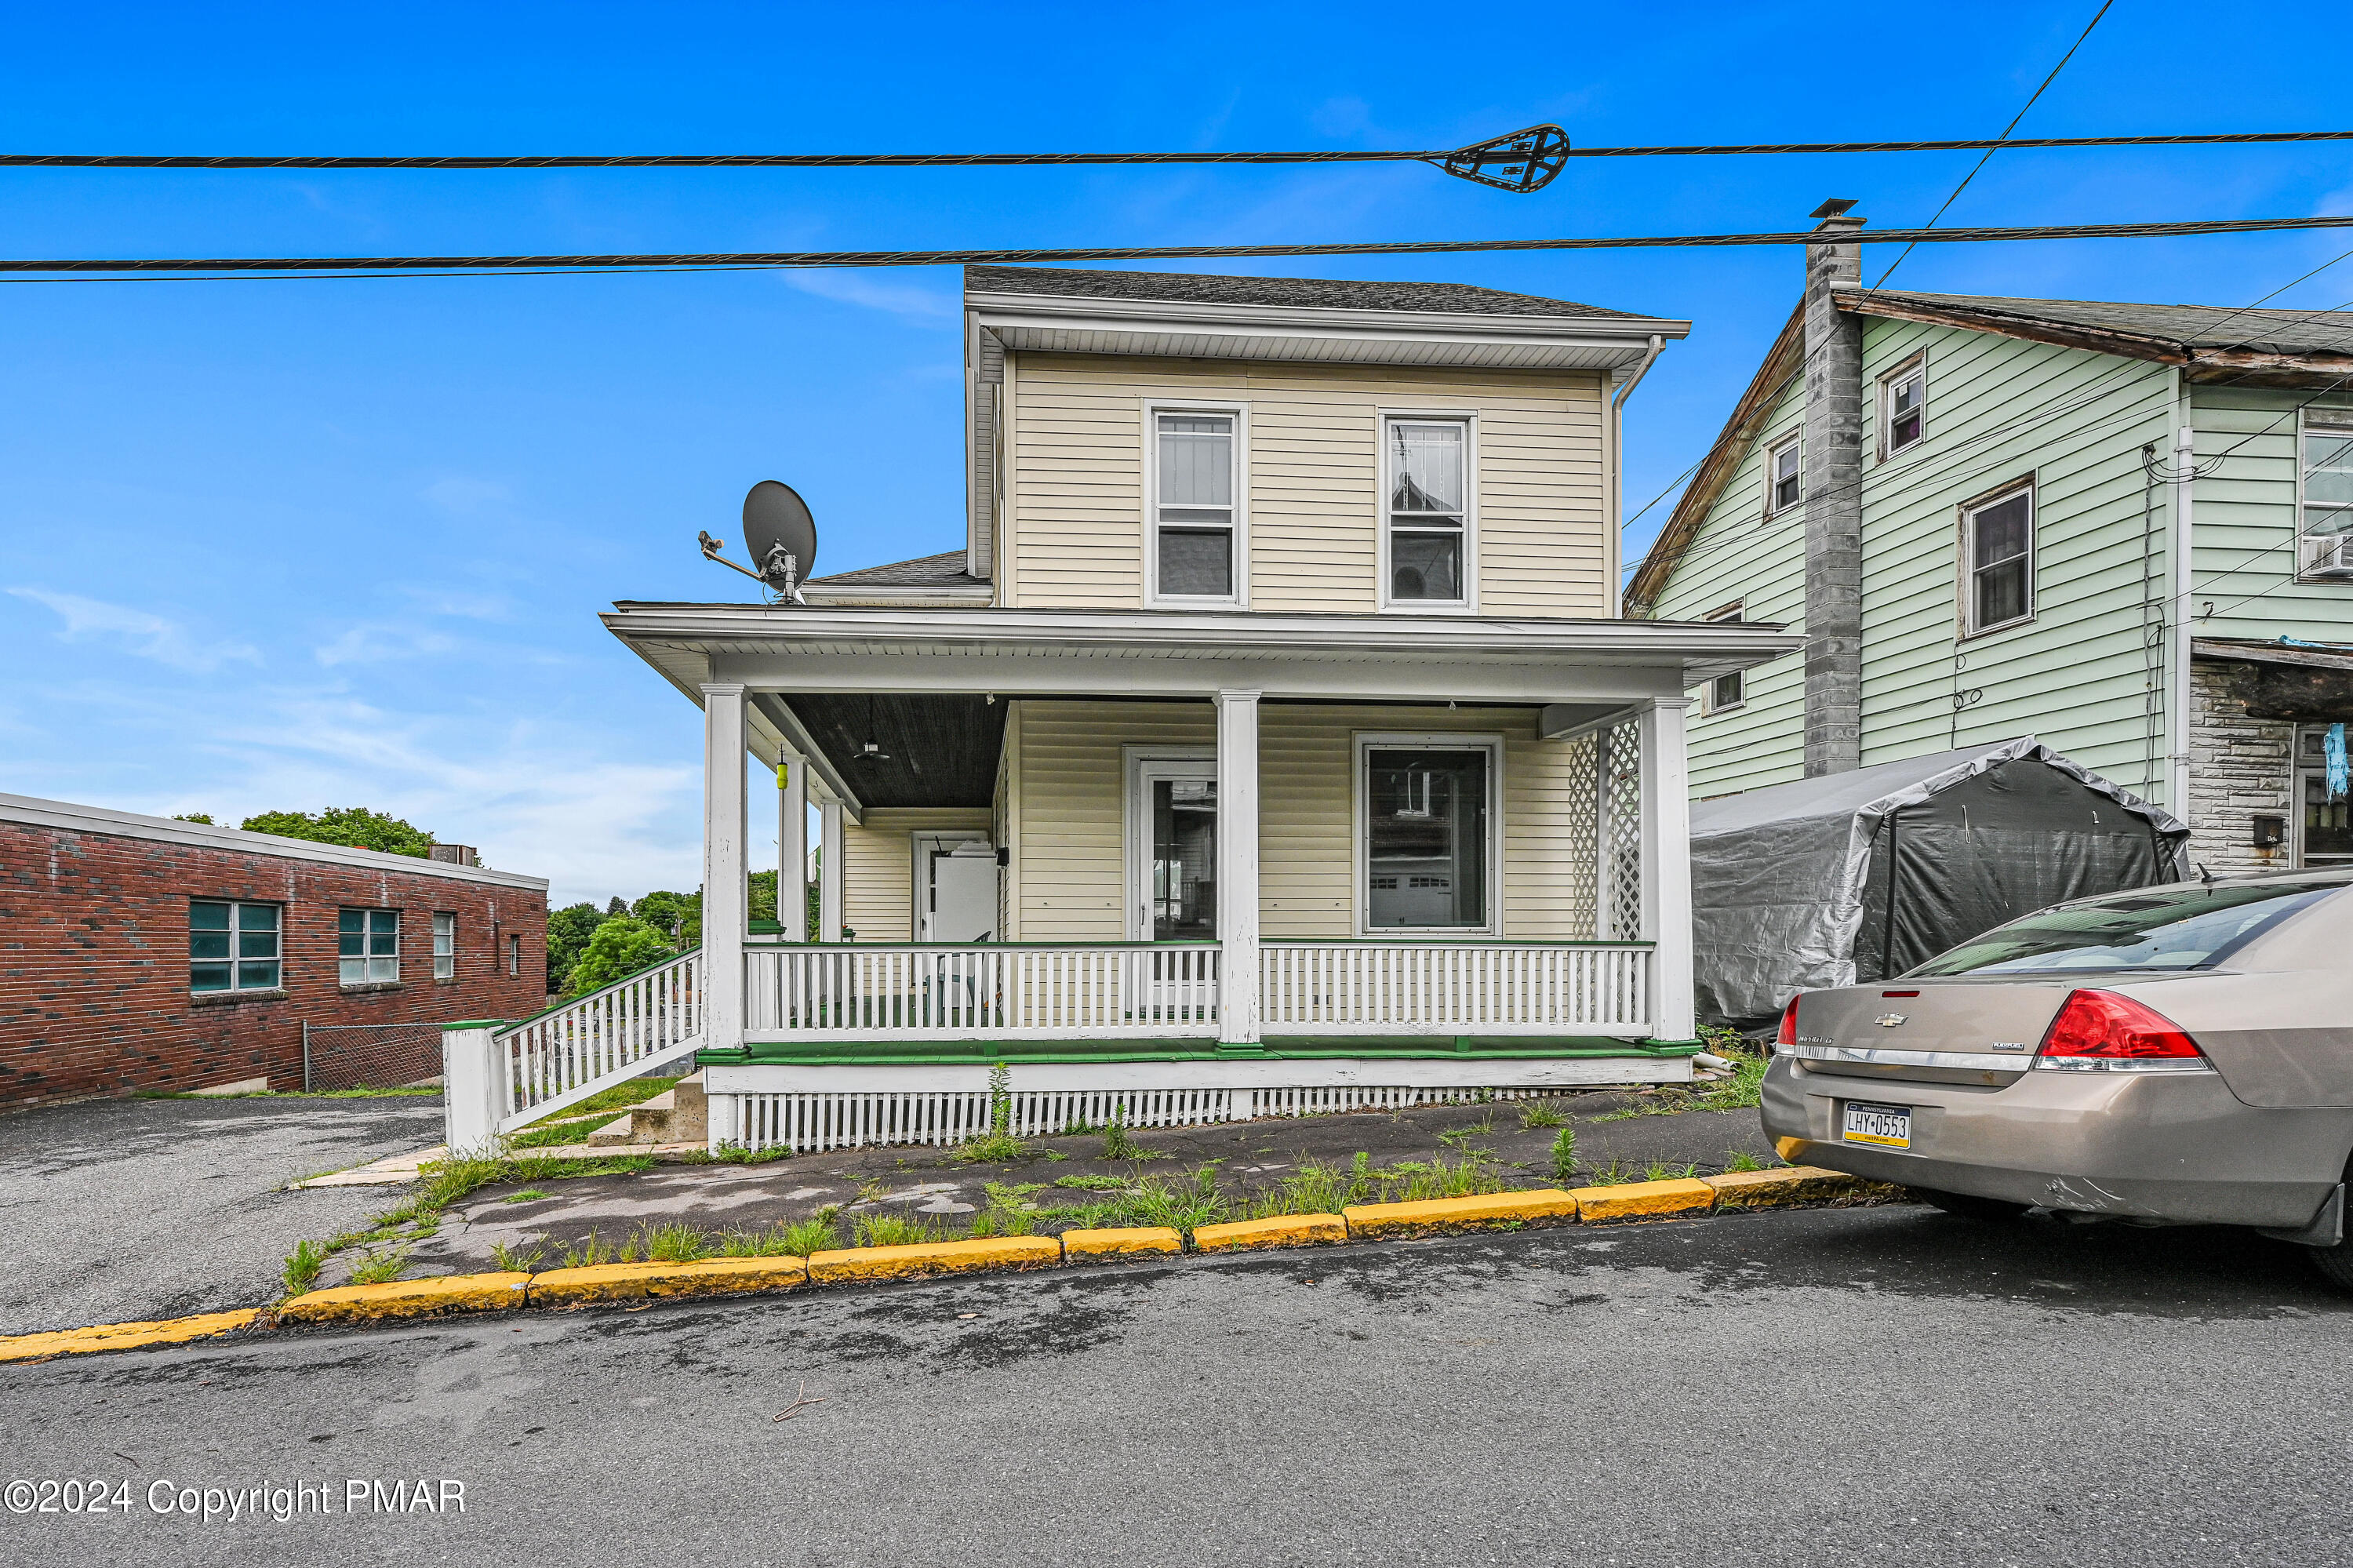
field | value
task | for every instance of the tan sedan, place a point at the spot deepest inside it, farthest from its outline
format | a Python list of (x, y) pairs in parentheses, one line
[(2173, 1055)]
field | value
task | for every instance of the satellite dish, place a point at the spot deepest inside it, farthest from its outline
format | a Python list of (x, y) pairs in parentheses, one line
[(776, 523)]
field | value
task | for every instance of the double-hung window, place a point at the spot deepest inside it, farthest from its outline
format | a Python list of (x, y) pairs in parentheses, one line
[(444, 946), (2324, 545), (1785, 473), (1428, 834), (1429, 491), (1195, 532), (514, 955), (367, 946), (234, 947), (1903, 406), (1727, 691), (1998, 560)]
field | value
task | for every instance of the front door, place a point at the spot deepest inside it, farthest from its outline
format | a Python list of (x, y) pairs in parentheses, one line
[(957, 892), (1177, 826)]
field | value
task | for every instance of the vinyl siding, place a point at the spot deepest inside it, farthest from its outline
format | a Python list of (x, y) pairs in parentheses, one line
[(1313, 493), (878, 877), (1071, 823), (1739, 555), (1998, 409), (2245, 520)]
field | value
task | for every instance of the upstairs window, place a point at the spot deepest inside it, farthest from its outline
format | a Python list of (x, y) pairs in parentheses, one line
[(367, 946), (514, 955), (1903, 406), (2325, 544), (234, 946), (1998, 548), (444, 946), (1193, 513), (1785, 474), (1727, 691), (1429, 488)]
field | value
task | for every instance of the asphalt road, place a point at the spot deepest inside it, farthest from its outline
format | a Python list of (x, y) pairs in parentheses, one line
[(115, 1211), (1834, 1386)]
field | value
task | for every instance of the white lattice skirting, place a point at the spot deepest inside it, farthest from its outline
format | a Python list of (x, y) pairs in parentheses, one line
[(814, 1108)]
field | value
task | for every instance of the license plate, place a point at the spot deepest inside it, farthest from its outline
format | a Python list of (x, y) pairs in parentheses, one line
[(1889, 1127)]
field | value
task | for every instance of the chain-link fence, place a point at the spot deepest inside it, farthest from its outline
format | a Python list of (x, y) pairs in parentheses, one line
[(369, 1055)]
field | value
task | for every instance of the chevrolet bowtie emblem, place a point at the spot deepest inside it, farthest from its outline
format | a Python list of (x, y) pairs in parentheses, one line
[(1888, 1019)]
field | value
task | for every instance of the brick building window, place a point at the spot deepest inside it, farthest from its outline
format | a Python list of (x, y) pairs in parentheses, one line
[(234, 946), (514, 955), (367, 946), (444, 946)]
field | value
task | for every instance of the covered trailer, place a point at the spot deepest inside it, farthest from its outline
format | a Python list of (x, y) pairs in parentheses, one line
[(1856, 876)]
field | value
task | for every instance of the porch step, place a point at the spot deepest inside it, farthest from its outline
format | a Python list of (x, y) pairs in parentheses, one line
[(678, 1115)]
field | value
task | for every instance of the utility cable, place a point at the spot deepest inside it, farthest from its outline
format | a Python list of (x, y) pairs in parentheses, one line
[(2001, 140), (799, 259)]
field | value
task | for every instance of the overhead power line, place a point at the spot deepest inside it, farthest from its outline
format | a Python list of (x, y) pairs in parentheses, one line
[(1525, 160), (795, 258)]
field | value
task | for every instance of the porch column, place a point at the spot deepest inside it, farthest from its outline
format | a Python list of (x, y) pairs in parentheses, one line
[(1237, 1011), (828, 872), (792, 846), (1666, 868), (724, 742)]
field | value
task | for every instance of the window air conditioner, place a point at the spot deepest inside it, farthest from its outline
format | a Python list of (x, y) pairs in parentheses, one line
[(2334, 559)]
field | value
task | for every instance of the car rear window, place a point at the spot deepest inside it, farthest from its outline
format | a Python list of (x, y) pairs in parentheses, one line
[(2186, 927)]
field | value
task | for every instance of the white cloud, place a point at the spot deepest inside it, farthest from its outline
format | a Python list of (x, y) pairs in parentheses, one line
[(373, 643), (137, 631), (902, 299)]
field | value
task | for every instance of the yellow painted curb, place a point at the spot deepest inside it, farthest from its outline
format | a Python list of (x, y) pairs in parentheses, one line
[(640, 1281), (1632, 1200), (1768, 1189), (934, 1257), (1143, 1239), (1789, 1149), (1436, 1216), (409, 1298), (120, 1336), (1283, 1230)]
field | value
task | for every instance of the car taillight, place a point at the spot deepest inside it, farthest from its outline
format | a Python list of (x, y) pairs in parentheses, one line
[(2099, 1029), (1788, 1035)]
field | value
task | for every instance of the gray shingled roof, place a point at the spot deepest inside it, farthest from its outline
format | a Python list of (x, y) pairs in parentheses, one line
[(1308, 293), (2191, 326), (925, 571)]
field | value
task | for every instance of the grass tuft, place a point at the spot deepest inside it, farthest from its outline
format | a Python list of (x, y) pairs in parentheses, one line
[(303, 1267), (528, 1195), (674, 1243), (514, 1260), (1538, 1114), (1564, 1154), (1734, 1159), (381, 1267), (896, 1230)]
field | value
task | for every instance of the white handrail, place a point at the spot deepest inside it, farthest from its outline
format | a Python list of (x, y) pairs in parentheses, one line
[(594, 1042), (881, 992), (1449, 988)]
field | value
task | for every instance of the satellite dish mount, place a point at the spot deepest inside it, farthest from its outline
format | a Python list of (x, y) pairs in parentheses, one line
[(780, 536)]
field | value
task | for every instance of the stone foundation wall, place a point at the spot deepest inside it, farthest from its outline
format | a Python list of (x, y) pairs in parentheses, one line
[(2240, 767)]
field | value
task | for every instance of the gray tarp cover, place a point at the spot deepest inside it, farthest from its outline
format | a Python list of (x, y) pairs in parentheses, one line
[(1783, 877)]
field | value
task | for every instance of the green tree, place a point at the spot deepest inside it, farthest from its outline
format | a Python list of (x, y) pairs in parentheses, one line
[(677, 916), (621, 946), (569, 930), (204, 817), (763, 885), (355, 826), (618, 905)]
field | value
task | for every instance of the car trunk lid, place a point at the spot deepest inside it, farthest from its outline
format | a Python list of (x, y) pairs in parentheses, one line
[(1959, 1031)]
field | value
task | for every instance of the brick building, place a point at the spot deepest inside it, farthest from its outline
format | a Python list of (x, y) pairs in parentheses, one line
[(141, 953)]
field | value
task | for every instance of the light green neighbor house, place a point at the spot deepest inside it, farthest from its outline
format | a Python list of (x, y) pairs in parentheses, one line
[(2126, 530)]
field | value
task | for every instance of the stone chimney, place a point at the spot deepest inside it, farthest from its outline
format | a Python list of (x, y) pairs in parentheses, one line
[(1833, 487)]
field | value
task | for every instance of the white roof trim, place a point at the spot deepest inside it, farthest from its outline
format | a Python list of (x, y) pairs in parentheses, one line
[(82, 819)]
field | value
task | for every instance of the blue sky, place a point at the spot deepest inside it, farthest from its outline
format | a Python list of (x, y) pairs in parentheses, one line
[(299, 544)]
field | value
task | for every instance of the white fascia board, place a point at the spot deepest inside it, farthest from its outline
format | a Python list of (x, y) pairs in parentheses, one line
[(1014, 317), (847, 594), (74, 818), (1187, 653)]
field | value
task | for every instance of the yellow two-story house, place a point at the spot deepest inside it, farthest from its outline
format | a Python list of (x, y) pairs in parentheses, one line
[(1271, 743)]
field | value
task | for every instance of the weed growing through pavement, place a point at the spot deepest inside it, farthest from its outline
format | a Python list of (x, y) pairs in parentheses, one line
[(896, 1230), (517, 1260), (303, 1267), (381, 1267), (1092, 1184), (1117, 1145), (674, 1243), (998, 1143), (1007, 1210), (1564, 1154), (818, 1232), (528, 1195), (1734, 1159), (1659, 1171), (1317, 1188), (1538, 1114), (1613, 1177)]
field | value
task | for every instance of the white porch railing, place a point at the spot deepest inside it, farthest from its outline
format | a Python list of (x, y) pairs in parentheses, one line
[(889, 991), (569, 1052), (1454, 988)]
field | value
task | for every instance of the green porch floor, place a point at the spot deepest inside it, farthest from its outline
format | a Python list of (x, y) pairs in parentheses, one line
[(1276, 1048)]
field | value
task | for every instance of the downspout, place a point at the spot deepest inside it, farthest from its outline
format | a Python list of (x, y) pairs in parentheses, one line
[(2185, 460), (1617, 429)]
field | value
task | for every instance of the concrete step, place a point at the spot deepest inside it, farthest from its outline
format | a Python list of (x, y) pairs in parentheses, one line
[(679, 1115)]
